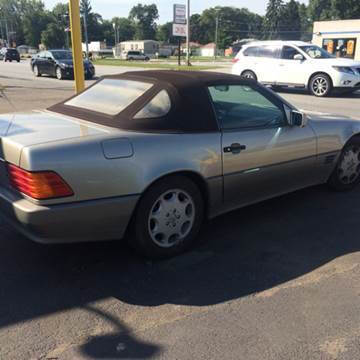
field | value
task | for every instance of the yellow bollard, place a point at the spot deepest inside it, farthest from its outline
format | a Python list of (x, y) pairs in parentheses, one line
[(74, 12)]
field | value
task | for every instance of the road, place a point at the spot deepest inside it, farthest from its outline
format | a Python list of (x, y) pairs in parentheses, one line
[(27, 92), (278, 280)]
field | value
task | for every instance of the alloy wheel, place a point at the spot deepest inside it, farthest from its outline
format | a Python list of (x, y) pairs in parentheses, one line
[(171, 218), (349, 168), (58, 73), (320, 86)]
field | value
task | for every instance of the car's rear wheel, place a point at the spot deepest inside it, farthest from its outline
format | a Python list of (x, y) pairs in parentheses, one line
[(248, 74), (59, 74), (36, 71), (346, 174), (320, 85), (168, 218)]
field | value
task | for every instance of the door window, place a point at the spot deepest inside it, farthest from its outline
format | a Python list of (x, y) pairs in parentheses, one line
[(269, 52), (288, 53), (242, 107)]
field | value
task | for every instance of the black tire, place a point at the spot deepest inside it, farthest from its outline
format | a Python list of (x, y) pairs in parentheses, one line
[(147, 59), (140, 237), (18, 61), (339, 180), (320, 85), (36, 71), (248, 74), (58, 73)]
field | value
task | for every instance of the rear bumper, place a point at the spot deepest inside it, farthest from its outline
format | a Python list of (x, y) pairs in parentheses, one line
[(93, 220)]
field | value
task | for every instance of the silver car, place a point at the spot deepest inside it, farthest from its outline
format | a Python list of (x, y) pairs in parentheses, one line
[(150, 155)]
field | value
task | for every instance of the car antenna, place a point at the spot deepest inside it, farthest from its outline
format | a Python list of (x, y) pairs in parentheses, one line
[(3, 95)]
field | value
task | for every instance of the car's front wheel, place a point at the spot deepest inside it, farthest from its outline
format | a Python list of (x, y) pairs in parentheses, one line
[(168, 218), (346, 174), (320, 85), (36, 71), (59, 74)]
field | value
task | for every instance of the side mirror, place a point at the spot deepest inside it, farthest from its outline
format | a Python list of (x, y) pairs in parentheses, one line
[(50, 58), (298, 57), (297, 118)]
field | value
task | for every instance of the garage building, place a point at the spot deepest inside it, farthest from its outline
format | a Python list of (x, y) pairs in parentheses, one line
[(339, 37)]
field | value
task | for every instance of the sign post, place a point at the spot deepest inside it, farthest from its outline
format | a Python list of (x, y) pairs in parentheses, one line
[(179, 25), (76, 45)]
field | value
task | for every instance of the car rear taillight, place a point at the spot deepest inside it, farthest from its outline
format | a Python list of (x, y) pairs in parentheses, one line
[(39, 185), (235, 60)]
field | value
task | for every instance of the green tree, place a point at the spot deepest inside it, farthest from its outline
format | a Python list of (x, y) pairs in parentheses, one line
[(273, 19), (345, 9), (54, 36), (35, 20), (125, 28), (319, 9), (164, 33), (290, 25), (144, 17), (306, 23)]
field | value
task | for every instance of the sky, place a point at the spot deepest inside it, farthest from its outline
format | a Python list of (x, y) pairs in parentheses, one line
[(121, 8)]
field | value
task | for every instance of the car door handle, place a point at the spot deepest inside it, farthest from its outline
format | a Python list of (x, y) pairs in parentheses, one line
[(234, 148), (281, 64)]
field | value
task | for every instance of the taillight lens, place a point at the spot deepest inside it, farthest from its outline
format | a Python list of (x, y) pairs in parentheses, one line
[(38, 185), (235, 60)]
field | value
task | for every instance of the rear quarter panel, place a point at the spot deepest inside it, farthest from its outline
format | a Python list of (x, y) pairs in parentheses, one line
[(81, 162)]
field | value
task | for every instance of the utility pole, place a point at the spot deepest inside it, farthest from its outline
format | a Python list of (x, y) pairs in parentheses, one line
[(216, 34), (188, 34), (1, 29), (74, 12), (7, 33), (86, 36)]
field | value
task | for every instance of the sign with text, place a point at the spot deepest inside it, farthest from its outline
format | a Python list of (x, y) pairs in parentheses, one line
[(179, 30), (179, 14)]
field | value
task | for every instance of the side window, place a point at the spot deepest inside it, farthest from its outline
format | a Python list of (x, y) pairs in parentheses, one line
[(251, 51), (159, 106), (242, 107), (269, 52), (288, 53)]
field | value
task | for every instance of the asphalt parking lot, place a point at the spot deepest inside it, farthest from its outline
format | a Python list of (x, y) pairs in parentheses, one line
[(277, 280)]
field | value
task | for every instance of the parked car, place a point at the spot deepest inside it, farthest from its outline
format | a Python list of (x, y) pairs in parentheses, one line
[(58, 63), (151, 154), (297, 64), (9, 54), (136, 55)]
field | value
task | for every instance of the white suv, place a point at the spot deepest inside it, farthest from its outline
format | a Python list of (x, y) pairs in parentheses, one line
[(297, 64)]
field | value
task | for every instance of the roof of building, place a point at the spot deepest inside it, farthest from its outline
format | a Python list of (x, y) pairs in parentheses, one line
[(209, 46), (137, 41)]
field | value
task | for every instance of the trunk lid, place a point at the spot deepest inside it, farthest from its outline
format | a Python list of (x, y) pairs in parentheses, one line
[(25, 129)]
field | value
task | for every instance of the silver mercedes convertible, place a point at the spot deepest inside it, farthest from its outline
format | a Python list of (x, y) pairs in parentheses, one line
[(150, 155)]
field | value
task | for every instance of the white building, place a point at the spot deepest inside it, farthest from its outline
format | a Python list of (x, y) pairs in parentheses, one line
[(148, 47), (209, 50), (339, 37)]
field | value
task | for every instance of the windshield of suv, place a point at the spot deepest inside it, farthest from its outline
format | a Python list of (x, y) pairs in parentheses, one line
[(316, 52), (62, 55)]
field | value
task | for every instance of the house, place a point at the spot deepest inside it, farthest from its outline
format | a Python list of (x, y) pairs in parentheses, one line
[(148, 47), (194, 48), (340, 37), (210, 49)]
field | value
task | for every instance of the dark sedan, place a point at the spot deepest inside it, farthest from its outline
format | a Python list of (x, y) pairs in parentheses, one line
[(58, 63)]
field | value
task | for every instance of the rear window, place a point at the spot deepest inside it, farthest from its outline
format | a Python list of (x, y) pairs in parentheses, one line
[(159, 106), (110, 96), (251, 51), (12, 51)]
